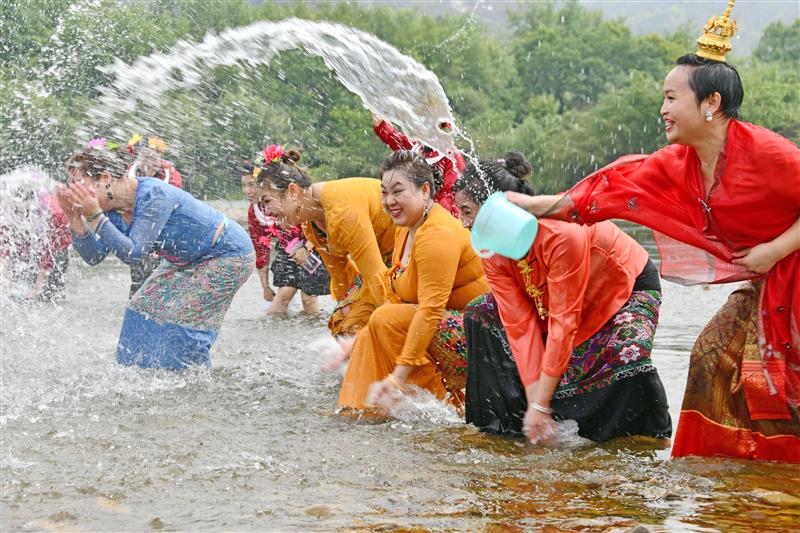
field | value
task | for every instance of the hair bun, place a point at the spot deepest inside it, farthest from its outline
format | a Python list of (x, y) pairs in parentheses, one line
[(517, 165), (438, 179), (292, 156)]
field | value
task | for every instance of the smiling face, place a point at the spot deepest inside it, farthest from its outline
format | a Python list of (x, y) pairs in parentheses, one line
[(468, 208), (684, 120), (402, 199), (285, 206)]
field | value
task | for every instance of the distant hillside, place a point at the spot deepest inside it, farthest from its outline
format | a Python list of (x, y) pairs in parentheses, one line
[(642, 16)]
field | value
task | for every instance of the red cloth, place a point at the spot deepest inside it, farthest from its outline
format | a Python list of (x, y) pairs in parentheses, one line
[(705, 437), (451, 165), (755, 198), (586, 274), (43, 247), (175, 177), (262, 236), (58, 235)]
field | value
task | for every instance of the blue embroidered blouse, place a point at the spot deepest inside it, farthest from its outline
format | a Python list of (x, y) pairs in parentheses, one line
[(168, 221)]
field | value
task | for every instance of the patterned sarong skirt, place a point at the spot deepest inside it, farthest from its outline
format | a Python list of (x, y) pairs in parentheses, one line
[(715, 419), (610, 387), (174, 318)]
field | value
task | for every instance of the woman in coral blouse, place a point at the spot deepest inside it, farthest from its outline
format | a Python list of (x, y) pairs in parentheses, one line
[(344, 223), (578, 315), (434, 274)]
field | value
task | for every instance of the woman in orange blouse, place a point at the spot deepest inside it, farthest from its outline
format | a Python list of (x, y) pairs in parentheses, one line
[(579, 312), (435, 273), (344, 223)]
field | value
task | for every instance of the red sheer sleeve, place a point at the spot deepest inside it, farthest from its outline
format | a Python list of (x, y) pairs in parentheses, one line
[(391, 137)]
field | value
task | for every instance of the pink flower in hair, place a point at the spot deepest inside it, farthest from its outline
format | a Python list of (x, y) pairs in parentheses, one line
[(272, 153), (99, 142)]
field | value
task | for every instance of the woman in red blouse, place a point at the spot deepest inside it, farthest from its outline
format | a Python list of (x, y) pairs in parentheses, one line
[(34, 243), (723, 200)]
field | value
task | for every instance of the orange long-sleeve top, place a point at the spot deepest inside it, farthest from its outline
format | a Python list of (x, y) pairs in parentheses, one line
[(585, 273), (443, 272), (359, 234)]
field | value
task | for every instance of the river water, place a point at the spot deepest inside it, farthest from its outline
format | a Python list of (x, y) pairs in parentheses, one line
[(255, 443)]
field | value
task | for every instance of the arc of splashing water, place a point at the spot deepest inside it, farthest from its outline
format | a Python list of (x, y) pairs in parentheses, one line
[(391, 85)]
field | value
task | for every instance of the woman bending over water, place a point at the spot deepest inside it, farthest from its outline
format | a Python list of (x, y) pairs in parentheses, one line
[(287, 274), (174, 318), (566, 332), (417, 337), (344, 223)]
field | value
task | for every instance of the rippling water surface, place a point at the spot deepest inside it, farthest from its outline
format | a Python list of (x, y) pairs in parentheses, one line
[(255, 444)]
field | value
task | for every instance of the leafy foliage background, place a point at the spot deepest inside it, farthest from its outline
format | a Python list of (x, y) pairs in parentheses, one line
[(566, 86)]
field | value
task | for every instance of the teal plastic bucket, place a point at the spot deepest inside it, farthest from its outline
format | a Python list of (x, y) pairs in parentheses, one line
[(503, 228)]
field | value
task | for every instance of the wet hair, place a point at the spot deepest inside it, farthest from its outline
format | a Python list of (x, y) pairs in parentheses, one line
[(94, 161), (508, 173), (279, 174), (711, 77), (245, 167), (242, 167), (418, 170)]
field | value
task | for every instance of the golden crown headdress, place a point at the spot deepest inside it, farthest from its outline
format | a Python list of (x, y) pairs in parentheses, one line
[(716, 39)]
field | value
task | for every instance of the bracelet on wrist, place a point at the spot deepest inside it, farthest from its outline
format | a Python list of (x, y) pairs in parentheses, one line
[(541, 408), (94, 216), (395, 383), (101, 223)]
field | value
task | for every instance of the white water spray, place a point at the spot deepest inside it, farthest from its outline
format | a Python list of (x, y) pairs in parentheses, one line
[(391, 85)]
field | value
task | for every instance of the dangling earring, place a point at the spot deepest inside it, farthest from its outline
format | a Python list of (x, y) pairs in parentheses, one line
[(427, 210), (709, 116), (108, 192)]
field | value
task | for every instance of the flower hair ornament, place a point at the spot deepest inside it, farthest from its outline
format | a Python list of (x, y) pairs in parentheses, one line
[(102, 143), (157, 144), (272, 153), (132, 142)]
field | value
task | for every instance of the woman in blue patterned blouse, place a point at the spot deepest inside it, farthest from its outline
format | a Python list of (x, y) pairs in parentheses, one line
[(173, 320)]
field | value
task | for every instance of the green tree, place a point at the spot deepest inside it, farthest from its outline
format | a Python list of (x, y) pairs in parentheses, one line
[(565, 148), (570, 89), (772, 98), (780, 42)]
